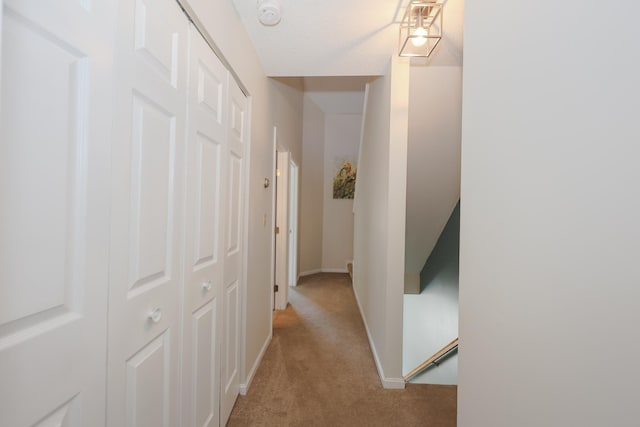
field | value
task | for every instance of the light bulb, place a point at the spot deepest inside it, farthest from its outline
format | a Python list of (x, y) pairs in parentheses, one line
[(419, 37)]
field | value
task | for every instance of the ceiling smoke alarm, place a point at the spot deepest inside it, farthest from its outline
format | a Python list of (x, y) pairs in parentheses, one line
[(269, 12)]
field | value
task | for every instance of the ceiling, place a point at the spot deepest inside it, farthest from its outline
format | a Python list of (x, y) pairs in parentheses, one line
[(339, 37)]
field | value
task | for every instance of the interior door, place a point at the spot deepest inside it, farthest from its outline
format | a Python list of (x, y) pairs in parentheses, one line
[(206, 154), (233, 248), (146, 231), (293, 223), (282, 229), (54, 174)]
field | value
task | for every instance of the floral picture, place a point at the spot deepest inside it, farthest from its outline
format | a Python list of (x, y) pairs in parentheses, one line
[(344, 181)]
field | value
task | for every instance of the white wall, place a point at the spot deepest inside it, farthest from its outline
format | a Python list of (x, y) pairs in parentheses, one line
[(550, 226), (433, 177), (331, 131), (311, 188), (342, 138), (286, 98), (222, 26), (435, 122), (380, 218), (336, 95)]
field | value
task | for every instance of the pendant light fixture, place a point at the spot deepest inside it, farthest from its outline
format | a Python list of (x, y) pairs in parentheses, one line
[(421, 28)]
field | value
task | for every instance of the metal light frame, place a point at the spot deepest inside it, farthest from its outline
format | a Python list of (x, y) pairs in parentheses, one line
[(420, 13)]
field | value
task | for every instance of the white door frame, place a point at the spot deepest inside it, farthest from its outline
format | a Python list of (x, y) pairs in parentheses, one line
[(274, 150)]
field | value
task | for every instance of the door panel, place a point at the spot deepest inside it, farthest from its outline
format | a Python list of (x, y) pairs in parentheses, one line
[(153, 144), (233, 252), (205, 404), (231, 316), (146, 227), (54, 174), (207, 202), (45, 169), (66, 415), (234, 204), (206, 151), (148, 382), (154, 43)]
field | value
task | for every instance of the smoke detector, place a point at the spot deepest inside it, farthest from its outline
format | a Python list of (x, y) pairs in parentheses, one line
[(269, 12)]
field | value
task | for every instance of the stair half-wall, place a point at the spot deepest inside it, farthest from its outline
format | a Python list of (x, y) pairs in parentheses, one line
[(433, 162)]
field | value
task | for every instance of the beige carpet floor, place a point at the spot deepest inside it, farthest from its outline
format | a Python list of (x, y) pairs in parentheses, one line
[(319, 370)]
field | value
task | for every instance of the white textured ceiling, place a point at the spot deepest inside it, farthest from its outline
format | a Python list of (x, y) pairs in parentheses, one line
[(340, 37)]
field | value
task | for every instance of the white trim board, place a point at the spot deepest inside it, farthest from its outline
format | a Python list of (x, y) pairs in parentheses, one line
[(335, 270), (388, 383), (310, 272), (244, 387), (324, 270), (245, 250)]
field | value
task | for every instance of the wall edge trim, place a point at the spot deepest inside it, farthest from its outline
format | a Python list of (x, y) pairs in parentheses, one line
[(387, 383)]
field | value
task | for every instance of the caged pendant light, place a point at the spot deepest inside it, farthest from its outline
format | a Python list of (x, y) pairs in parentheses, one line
[(421, 28)]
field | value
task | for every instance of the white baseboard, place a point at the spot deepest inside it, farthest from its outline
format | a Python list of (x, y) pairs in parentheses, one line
[(389, 383), (393, 383), (244, 388), (335, 270), (324, 270), (310, 272)]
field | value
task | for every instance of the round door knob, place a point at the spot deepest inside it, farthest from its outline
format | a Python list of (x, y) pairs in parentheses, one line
[(155, 315), (207, 285)]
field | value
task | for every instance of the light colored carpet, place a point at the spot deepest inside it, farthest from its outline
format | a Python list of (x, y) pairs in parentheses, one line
[(319, 371)]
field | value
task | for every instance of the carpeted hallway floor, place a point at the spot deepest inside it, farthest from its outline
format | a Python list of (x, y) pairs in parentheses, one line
[(319, 371)]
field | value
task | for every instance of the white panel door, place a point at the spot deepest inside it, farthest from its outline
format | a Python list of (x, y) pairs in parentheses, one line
[(54, 194), (146, 228), (206, 154), (233, 248)]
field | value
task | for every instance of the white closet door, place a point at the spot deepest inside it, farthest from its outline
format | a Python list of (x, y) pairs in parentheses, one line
[(206, 154), (146, 227), (233, 248), (54, 176)]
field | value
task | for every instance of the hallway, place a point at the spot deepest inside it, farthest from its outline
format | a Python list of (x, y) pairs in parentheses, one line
[(318, 370)]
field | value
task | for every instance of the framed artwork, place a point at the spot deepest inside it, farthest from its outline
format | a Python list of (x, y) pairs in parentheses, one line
[(344, 181)]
